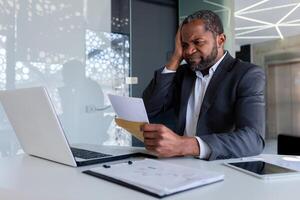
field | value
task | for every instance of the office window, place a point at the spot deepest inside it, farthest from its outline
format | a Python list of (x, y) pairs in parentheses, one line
[(79, 51)]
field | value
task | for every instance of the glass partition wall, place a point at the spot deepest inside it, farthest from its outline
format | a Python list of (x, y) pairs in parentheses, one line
[(79, 51)]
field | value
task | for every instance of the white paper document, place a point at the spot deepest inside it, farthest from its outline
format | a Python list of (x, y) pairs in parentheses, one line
[(157, 177), (129, 108)]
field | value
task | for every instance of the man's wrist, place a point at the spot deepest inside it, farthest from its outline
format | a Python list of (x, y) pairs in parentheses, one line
[(189, 146), (173, 63), (167, 71), (172, 66)]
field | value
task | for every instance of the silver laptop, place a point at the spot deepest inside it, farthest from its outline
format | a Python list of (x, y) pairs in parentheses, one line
[(39, 131)]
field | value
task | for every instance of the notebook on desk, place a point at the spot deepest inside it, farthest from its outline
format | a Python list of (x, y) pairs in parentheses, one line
[(154, 177), (39, 131)]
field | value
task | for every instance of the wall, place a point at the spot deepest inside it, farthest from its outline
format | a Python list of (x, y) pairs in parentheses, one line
[(153, 28), (275, 52)]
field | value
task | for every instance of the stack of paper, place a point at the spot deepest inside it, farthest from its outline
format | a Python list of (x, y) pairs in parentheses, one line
[(131, 114), (156, 178)]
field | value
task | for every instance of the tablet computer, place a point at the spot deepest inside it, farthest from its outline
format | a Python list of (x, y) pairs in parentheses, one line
[(263, 169)]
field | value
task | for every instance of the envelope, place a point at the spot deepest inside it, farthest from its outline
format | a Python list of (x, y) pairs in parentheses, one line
[(132, 127)]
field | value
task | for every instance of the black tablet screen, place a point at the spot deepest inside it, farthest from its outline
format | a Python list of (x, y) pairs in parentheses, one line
[(261, 168)]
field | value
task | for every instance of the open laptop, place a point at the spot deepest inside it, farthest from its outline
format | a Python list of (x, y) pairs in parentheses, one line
[(39, 131)]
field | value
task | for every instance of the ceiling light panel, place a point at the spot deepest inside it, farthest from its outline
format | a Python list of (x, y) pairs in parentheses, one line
[(263, 20)]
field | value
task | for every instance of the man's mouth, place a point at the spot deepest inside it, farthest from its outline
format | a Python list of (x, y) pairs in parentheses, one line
[(194, 60)]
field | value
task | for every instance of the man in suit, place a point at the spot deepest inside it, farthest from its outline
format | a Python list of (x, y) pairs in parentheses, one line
[(218, 100)]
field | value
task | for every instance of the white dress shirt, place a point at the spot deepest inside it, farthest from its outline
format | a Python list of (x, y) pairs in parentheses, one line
[(194, 105)]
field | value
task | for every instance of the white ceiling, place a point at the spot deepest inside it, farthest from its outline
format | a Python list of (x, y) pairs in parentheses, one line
[(261, 20)]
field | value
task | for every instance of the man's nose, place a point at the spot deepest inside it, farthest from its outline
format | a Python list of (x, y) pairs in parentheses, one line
[(190, 50)]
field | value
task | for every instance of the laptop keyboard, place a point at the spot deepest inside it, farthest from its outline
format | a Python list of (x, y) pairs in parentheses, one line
[(86, 154)]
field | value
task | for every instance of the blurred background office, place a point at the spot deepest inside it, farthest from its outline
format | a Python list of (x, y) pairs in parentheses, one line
[(82, 50)]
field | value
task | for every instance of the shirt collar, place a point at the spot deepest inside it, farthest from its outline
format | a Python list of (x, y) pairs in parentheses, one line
[(213, 68)]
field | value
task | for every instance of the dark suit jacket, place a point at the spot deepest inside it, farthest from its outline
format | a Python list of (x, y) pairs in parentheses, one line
[(232, 115)]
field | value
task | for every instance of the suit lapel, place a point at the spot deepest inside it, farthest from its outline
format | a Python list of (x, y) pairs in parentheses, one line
[(187, 86), (214, 83)]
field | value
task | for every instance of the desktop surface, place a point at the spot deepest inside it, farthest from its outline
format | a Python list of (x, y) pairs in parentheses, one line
[(26, 177)]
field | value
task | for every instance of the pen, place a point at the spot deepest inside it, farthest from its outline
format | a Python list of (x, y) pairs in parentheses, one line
[(108, 166)]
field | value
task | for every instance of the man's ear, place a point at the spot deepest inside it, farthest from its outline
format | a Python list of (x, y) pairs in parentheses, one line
[(221, 40)]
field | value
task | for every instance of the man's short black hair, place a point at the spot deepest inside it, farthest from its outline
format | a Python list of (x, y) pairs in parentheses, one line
[(211, 20)]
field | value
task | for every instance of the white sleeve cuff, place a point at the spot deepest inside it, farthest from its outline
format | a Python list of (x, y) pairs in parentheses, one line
[(166, 71), (205, 150)]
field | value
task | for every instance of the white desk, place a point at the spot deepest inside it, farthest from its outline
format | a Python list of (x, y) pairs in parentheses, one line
[(26, 177)]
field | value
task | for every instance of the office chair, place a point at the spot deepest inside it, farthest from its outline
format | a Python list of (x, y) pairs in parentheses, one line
[(288, 144)]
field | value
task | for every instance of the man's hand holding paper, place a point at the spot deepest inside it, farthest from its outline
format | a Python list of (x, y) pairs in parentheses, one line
[(131, 113), (159, 139)]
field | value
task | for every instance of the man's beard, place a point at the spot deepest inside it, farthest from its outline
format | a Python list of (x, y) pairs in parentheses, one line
[(206, 63)]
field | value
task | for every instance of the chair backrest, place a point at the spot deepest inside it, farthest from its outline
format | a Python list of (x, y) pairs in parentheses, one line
[(288, 144)]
